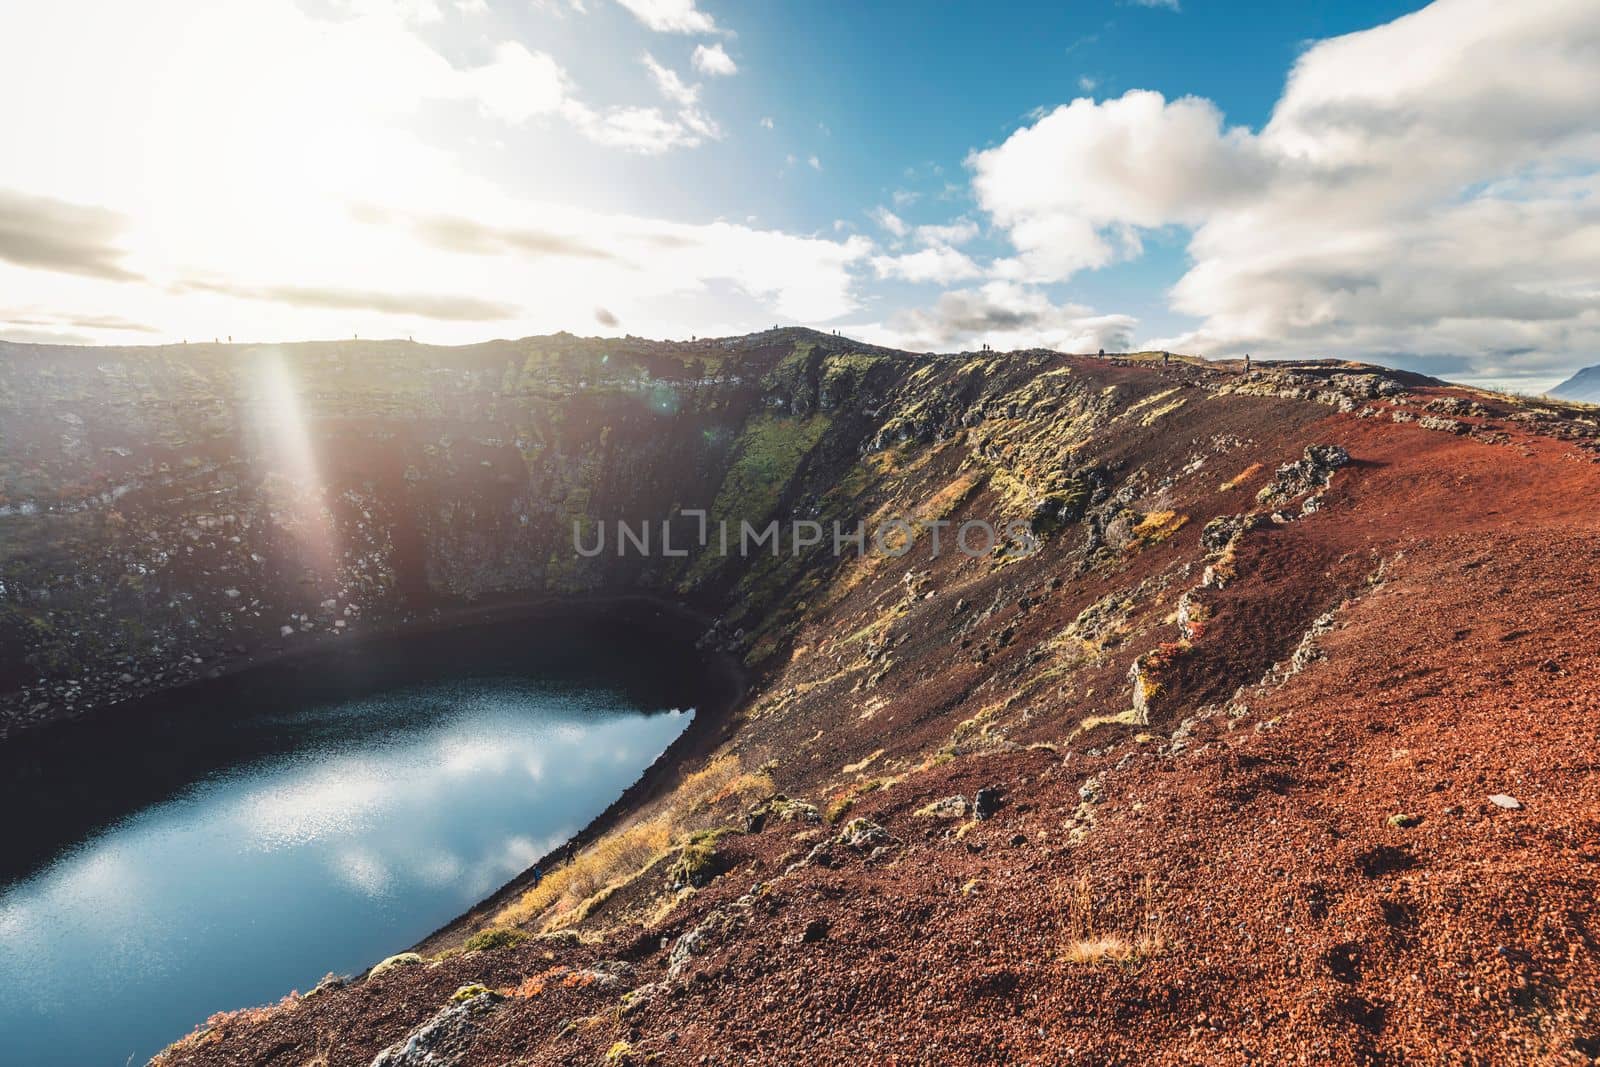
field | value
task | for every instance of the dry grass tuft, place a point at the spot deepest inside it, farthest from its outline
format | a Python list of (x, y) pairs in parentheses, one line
[(556, 977), (1086, 943), (724, 778), (597, 866), (625, 853), (1157, 526), (1240, 478), (211, 1032), (1107, 949)]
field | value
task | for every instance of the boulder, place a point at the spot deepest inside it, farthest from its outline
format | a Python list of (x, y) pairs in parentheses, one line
[(1433, 422), (443, 1040), (1310, 472), (697, 864), (404, 959), (697, 942), (986, 801), (329, 983), (955, 807), (864, 835)]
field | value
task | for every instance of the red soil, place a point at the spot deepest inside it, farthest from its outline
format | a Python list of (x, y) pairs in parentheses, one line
[(1247, 837)]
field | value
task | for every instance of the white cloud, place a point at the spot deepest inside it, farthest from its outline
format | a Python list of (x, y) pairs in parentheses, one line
[(938, 261), (417, 11), (517, 85), (814, 163), (714, 61), (894, 224), (157, 242), (942, 265), (671, 16), (766, 122), (1169, 5), (672, 87), (1069, 188), (958, 232), (1086, 83), (647, 129), (1007, 316), (1425, 191)]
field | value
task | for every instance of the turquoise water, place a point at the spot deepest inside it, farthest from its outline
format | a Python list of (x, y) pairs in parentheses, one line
[(315, 835)]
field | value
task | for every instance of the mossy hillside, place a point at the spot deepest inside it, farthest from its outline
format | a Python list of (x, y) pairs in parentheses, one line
[(769, 452), (845, 376), (766, 458), (697, 862)]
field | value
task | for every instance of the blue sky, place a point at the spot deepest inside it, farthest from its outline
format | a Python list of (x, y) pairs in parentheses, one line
[(892, 97), (1414, 183)]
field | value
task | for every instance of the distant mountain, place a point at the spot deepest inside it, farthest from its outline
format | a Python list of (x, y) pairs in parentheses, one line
[(1583, 386)]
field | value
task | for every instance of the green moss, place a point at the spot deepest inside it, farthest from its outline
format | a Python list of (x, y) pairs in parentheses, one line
[(709, 837), (842, 375), (856, 480), (495, 938), (789, 372), (697, 864), (786, 809), (470, 992), (766, 457), (1065, 505), (841, 805), (404, 959), (768, 454)]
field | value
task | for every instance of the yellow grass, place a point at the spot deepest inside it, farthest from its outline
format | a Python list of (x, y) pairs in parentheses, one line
[(856, 768), (1151, 417), (843, 801), (1099, 950), (1242, 477), (936, 508), (1086, 943), (1150, 401), (626, 852), (1124, 718), (591, 870), (1157, 526)]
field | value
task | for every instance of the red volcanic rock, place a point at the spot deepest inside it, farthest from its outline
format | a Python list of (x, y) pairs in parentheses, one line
[(1294, 850)]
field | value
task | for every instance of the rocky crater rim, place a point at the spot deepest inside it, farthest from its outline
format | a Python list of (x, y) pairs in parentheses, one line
[(1227, 558)]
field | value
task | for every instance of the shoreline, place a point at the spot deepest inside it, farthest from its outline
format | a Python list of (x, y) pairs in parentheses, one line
[(728, 683), (628, 606), (722, 684)]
